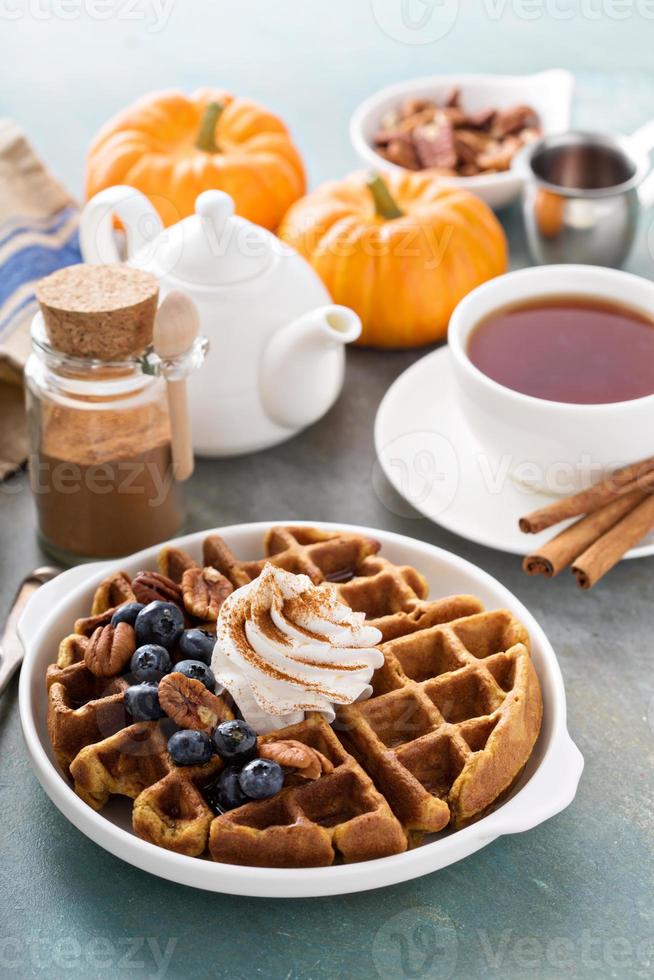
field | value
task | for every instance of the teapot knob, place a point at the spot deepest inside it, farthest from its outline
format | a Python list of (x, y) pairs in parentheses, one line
[(216, 207)]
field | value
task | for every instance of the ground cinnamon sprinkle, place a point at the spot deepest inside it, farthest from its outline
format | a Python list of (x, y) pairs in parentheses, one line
[(238, 634), (265, 623), (86, 436), (317, 601), (103, 480)]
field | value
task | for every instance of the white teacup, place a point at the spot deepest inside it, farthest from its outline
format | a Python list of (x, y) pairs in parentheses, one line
[(551, 446)]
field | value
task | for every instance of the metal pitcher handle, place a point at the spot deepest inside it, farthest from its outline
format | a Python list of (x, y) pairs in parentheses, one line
[(644, 140)]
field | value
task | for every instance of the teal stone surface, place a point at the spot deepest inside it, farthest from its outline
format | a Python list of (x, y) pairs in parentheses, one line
[(573, 897)]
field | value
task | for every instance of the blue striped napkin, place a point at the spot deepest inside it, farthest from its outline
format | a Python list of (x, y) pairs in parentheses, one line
[(38, 234), (31, 248)]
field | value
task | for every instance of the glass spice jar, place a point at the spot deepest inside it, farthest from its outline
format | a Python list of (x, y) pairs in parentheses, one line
[(101, 464)]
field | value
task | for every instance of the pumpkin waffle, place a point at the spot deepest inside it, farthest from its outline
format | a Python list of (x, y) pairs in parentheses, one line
[(325, 556), (454, 715), (341, 815), (83, 708), (169, 808), (393, 597)]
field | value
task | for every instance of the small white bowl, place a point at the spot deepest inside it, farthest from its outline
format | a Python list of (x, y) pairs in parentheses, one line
[(547, 785), (555, 447), (548, 92)]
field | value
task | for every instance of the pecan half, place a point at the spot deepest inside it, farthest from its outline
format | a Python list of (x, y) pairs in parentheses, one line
[(190, 705), (412, 105), (89, 624), (291, 754), (513, 119), (112, 592), (434, 145), (498, 156), (400, 150), (216, 553), (173, 562), (109, 650), (482, 119), (204, 591), (470, 144), (453, 115), (153, 587)]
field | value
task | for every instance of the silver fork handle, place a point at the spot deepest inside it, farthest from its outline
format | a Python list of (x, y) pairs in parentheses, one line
[(11, 649)]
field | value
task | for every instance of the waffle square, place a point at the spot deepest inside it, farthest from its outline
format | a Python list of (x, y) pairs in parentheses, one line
[(82, 709), (455, 712), (325, 556), (340, 815)]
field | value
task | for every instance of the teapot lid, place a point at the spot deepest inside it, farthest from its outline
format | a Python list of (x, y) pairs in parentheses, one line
[(214, 247)]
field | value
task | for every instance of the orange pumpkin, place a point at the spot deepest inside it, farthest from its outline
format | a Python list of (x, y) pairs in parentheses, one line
[(401, 251), (172, 148)]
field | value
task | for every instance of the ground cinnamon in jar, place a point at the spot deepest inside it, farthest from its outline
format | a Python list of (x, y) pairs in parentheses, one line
[(101, 464)]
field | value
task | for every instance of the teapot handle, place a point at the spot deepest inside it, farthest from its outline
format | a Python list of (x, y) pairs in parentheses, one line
[(96, 232)]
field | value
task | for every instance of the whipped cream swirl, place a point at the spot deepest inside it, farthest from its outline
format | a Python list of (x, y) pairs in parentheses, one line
[(285, 646)]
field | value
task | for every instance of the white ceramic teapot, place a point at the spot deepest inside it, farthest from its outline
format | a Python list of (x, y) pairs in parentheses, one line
[(277, 355)]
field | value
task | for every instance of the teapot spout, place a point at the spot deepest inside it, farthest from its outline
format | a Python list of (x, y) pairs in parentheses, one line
[(304, 363)]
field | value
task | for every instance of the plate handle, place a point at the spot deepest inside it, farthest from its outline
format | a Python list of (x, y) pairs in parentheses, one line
[(551, 789), (43, 600)]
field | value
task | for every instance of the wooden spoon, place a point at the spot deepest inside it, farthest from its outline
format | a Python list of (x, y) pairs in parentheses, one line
[(175, 328)]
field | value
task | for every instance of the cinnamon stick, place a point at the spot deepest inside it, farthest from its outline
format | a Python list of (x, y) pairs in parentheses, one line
[(609, 548), (558, 553), (636, 476)]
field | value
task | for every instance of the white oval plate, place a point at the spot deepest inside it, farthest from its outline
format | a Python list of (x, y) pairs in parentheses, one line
[(433, 460), (547, 786)]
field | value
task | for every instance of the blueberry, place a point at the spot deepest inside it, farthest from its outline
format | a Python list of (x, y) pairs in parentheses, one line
[(142, 702), (161, 623), (189, 747), (261, 778), (198, 671), (150, 663), (225, 793), (235, 741), (127, 613), (197, 645)]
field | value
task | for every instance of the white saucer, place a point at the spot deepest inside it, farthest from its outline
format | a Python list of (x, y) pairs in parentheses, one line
[(433, 460)]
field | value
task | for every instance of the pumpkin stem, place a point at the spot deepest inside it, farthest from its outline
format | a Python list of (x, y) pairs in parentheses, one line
[(206, 138), (385, 205)]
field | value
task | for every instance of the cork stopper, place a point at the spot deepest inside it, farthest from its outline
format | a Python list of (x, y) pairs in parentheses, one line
[(99, 311)]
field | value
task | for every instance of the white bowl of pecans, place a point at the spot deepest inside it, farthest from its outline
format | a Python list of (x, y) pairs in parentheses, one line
[(465, 129)]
